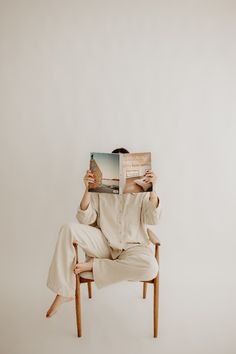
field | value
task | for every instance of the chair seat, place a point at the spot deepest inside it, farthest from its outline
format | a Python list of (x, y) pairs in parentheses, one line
[(87, 275)]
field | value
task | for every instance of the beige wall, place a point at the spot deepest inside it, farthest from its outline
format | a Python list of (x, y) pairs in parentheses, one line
[(81, 76)]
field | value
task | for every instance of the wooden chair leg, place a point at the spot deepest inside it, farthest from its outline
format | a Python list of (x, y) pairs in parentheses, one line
[(78, 306), (77, 296), (89, 289), (156, 294), (144, 290), (155, 305)]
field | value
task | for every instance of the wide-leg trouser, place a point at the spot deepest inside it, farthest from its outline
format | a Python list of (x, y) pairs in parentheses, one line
[(135, 263)]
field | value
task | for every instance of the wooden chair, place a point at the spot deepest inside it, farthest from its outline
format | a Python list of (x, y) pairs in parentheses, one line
[(87, 277)]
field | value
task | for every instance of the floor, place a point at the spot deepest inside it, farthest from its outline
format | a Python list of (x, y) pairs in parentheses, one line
[(115, 320)]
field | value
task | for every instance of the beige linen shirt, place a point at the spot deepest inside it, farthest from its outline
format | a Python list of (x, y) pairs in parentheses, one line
[(121, 218)]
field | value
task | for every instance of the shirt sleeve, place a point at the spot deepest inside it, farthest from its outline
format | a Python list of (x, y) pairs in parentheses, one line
[(150, 214), (89, 215)]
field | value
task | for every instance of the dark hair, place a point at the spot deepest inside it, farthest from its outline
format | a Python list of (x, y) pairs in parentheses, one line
[(122, 150)]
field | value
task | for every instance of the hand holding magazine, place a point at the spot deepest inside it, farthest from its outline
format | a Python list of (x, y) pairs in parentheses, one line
[(119, 173)]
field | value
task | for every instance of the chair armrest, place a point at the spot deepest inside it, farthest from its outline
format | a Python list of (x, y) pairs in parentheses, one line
[(153, 237)]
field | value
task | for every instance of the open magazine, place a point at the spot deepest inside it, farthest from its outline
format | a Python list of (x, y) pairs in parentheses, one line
[(119, 173)]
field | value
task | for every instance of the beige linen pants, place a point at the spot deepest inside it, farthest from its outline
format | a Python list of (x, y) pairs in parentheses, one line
[(135, 263)]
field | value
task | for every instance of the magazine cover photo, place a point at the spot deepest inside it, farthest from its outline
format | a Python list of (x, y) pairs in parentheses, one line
[(105, 167)]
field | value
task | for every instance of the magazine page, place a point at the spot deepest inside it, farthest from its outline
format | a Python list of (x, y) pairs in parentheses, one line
[(105, 167), (134, 168)]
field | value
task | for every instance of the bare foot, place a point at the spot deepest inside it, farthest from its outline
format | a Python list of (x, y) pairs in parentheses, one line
[(59, 299), (84, 267)]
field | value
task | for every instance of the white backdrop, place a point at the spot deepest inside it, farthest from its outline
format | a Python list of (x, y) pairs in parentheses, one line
[(80, 76)]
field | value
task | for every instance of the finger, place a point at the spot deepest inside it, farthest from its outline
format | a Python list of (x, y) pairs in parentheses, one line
[(91, 181), (148, 172)]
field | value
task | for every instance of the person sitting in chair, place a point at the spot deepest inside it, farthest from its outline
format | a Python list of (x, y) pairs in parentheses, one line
[(111, 232)]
